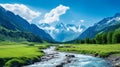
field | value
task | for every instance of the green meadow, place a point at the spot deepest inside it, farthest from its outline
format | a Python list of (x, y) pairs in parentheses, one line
[(22, 53), (94, 49)]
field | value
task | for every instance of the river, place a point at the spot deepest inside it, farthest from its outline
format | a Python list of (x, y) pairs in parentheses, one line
[(63, 59)]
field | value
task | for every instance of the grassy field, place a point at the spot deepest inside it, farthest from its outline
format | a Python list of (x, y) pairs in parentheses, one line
[(22, 51), (97, 50)]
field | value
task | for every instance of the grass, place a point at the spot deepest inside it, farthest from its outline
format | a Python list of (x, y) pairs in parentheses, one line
[(21, 51), (98, 50), (13, 49)]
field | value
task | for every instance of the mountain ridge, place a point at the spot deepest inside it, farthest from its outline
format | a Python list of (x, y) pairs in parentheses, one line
[(63, 32), (16, 23), (105, 25)]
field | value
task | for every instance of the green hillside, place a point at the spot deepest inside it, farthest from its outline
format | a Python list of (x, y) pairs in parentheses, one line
[(10, 35)]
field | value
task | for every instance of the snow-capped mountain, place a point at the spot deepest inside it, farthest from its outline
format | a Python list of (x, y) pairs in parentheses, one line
[(107, 24), (63, 32)]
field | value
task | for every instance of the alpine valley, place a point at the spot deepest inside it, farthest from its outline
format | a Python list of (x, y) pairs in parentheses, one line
[(59, 33)]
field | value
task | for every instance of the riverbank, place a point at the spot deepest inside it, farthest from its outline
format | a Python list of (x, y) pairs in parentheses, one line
[(21, 54), (55, 58), (108, 52), (17, 54), (115, 59)]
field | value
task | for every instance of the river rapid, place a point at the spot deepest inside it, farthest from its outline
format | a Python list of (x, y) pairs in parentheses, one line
[(54, 58)]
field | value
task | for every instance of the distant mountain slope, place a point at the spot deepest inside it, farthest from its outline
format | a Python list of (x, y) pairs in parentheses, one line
[(105, 25), (41, 33), (10, 35), (15, 23)]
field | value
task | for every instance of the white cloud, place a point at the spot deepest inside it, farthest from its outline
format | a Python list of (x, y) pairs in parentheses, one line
[(81, 20), (22, 10), (54, 14)]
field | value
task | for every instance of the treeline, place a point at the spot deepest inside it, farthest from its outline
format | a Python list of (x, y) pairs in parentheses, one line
[(6, 34), (111, 37)]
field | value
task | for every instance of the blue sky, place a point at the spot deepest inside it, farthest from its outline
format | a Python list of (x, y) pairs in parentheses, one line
[(85, 12)]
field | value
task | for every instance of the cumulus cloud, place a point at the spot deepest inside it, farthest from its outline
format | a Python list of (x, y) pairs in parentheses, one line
[(81, 20), (54, 14), (22, 10)]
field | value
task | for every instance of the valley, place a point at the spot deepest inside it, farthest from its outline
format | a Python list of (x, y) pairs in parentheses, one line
[(44, 36)]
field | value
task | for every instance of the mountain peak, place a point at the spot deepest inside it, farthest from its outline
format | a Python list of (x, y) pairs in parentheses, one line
[(62, 32), (2, 9), (60, 25), (14, 22), (117, 15), (44, 25), (105, 25)]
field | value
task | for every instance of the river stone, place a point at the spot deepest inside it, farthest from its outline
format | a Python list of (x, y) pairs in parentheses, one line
[(70, 56), (59, 65), (117, 64)]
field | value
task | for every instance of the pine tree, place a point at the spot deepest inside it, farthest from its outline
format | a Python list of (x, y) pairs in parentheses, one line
[(109, 37)]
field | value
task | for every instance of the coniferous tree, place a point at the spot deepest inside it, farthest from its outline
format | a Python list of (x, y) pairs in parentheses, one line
[(109, 37), (116, 37), (87, 40), (104, 38), (98, 39)]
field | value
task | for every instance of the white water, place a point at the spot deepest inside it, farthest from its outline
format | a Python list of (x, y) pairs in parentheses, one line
[(78, 61)]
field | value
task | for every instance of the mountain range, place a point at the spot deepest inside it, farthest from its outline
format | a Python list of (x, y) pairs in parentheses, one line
[(12, 22), (67, 32), (63, 32), (105, 25)]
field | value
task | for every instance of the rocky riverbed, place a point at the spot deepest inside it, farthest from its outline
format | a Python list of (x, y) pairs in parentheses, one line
[(115, 60), (54, 58)]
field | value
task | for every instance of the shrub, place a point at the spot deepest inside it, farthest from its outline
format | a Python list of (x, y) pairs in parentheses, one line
[(31, 44), (14, 63)]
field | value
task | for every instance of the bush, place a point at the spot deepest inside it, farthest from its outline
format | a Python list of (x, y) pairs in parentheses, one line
[(14, 63), (2, 62), (31, 44)]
